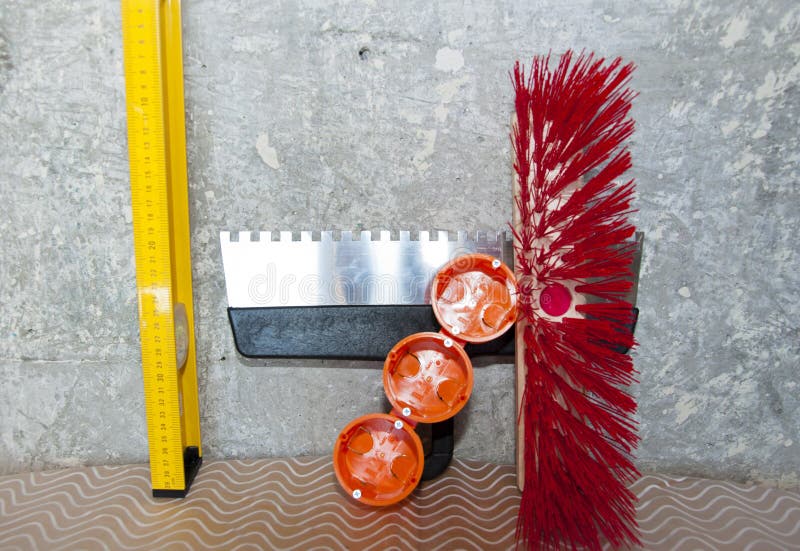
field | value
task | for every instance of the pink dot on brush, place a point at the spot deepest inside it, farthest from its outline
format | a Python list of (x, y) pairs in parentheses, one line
[(555, 300)]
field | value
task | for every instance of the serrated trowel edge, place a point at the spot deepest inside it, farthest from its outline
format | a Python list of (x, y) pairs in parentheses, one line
[(314, 268)]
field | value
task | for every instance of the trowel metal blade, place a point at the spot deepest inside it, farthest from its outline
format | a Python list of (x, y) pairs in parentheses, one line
[(274, 269)]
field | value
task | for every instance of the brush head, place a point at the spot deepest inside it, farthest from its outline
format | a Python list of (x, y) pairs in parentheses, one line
[(573, 267)]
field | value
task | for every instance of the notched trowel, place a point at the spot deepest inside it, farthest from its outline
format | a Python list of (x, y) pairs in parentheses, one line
[(347, 295), (341, 294)]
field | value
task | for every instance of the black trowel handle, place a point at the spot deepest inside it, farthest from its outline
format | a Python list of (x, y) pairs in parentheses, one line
[(339, 332)]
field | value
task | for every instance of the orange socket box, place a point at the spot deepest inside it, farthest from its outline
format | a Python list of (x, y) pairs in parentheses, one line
[(378, 458)]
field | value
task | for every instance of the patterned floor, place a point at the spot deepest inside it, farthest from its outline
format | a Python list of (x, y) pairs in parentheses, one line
[(297, 504)]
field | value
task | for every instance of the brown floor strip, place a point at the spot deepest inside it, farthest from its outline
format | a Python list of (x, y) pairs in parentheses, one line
[(297, 504)]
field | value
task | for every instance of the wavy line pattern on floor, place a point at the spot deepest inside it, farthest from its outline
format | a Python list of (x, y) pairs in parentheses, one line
[(297, 504)]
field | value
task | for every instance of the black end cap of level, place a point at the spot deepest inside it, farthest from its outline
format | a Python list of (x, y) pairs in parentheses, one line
[(191, 465)]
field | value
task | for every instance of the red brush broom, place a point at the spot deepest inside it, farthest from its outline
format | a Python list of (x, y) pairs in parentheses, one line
[(573, 262)]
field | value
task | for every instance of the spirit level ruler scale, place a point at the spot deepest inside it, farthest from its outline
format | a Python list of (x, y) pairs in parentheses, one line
[(159, 198)]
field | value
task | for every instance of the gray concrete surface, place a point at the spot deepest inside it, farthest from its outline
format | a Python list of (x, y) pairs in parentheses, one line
[(365, 114)]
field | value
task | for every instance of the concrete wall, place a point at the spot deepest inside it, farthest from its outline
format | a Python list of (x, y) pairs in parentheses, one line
[(366, 114)]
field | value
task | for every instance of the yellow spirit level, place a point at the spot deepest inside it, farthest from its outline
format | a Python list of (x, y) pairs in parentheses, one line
[(151, 37)]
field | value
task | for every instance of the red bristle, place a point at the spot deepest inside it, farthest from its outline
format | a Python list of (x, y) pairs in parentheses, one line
[(569, 143), (609, 289)]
